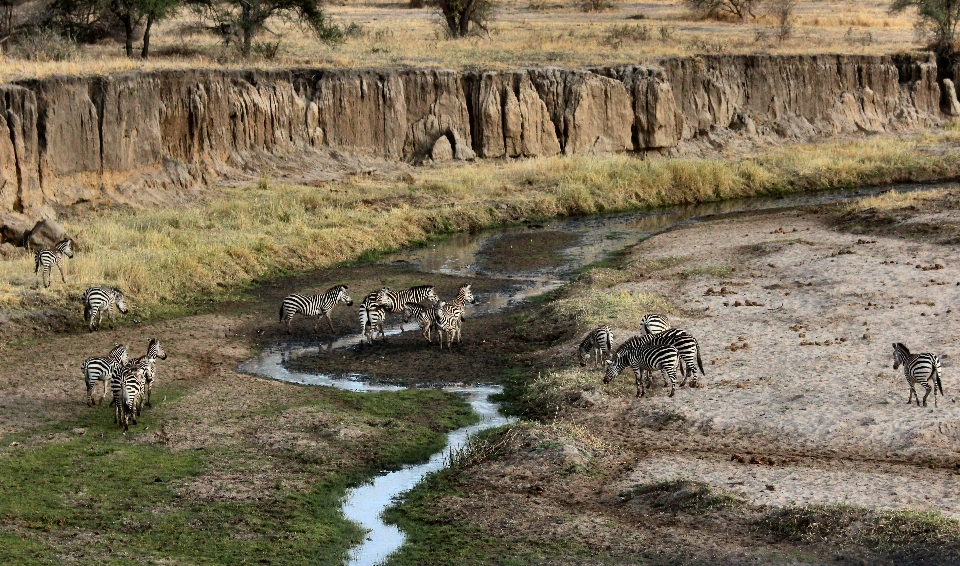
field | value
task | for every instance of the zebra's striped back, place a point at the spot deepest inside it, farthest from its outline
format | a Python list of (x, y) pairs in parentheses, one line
[(46, 258), (649, 357), (654, 323), (598, 343), (395, 300), (686, 344), (375, 317), (97, 300), (129, 395), (450, 315), (919, 368), (102, 368), (314, 305)]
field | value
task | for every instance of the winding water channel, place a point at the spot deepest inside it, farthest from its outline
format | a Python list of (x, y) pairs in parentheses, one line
[(598, 237)]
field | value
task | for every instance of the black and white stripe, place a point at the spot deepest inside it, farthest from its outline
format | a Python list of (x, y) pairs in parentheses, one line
[(46, 258), (372, 317), (919, 368), (96, 300), (128, 391), (148, 363), (103, 368), (395, 300), (426, 318), (367, 306), (648, 357), (686, 344), (654, 323), (450, 316), (597, 344), (314, 305)]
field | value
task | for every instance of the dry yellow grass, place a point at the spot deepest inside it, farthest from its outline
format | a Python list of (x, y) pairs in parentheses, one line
[(520, 35), (165, 258)]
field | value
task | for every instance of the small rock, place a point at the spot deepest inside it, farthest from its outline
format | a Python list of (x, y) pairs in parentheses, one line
[(442, 150), (866, 336), (771, 488)]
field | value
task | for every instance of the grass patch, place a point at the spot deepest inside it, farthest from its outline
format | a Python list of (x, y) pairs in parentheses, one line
[(713, 270), (170, 259), (110, 498), (685, 496), (619, 308)]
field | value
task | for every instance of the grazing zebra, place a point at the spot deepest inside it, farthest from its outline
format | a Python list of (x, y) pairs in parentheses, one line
[(128, 395), (648, 357), (687, 345), (919, 368), (314, 305), (450, 315), (99, 299), (426, 318), (101, 368), (46, 258), (394, 301), (654, 323), (598, 343)]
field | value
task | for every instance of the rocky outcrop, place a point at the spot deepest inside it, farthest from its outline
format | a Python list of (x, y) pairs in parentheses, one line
[(140, 137)]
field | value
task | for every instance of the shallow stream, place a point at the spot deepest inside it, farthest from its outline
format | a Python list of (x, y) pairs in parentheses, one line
[(463, 254)]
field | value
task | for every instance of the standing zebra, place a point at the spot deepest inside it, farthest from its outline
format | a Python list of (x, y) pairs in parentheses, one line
[(919, 368), (314, 305), (426, 318), (99, 299), (654, 323), (103, 369), (686, 344), (648, 357), (450, 315), (597, 344), (375, 315), (128, 395), (46, 258), (148, 364)]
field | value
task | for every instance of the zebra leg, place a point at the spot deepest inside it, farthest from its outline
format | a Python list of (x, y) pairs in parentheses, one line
[(673, 380), (62, 278), (913, 393), (330, 322), (927, 387), (45, 276)]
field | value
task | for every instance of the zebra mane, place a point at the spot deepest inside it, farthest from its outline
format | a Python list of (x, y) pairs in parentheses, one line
[(336, 288), (421, 287), (900, 347)]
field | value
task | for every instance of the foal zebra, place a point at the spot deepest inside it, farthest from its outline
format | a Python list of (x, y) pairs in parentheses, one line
[(148, 363), (128, 391), (919, 368), (597, 344), (426, 318), (654, 323), (649, 357), (103, 369), (99, 299), (450, 316), (686, 344), (46, 258), (314, 305)]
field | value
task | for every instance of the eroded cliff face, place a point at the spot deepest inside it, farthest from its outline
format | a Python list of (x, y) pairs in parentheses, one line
[(138, 137)]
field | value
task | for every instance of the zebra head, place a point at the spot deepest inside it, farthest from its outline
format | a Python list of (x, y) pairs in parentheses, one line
[(121, 302), (344, 297), (155, 350), (383, 297), (65, 248), (118, 355), (614, 367), (900, 353), (432, 295), (407, 313), (464, 295), (584, 351)]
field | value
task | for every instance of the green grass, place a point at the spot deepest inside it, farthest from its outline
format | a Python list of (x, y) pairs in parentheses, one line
[(686, 496), (117, 499)]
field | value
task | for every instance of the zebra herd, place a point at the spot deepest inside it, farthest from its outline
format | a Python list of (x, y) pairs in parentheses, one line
[(131, 381), (661, 348), (444, 317)]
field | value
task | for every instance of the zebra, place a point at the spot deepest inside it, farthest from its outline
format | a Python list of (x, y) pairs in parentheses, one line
[(148, 364), (394, 301), (919, 368), (46, 258), (596, 344), (372, 317), (687, 345), (450, 315), (99, 299), (654, 323), (426, 318), (648, 357), (314, 305), (101, 368), (128, 395)]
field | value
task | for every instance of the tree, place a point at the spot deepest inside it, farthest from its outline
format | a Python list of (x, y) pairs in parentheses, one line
[(460, 14), (243, 20), (937, 17), (90, 21), (739, 9)]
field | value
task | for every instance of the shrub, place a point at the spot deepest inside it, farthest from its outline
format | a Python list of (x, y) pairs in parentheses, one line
[(45, 45), (721, 9)]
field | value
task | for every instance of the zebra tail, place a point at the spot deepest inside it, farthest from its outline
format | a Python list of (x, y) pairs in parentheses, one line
[(700, 362), (281, 312), (609, 343), (938, 384)]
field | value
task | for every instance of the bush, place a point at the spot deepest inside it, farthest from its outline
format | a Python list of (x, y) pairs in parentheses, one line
[(45, 45), (782, 12), (596, 5), (935, 18), (463, 16), (616, 36), (723, 9)]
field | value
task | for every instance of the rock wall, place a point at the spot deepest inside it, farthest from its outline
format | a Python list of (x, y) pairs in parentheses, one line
[(138, 136)]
